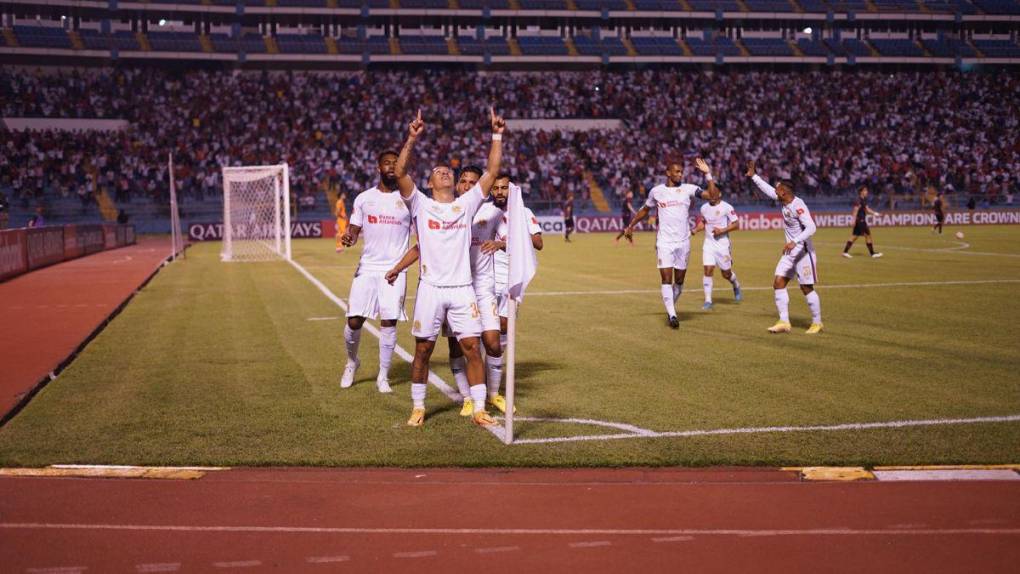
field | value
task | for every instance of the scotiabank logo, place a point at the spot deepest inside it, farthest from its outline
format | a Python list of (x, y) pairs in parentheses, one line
[(433, 224), (373, 219)]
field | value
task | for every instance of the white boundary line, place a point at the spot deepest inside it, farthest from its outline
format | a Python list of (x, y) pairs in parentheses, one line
[(434, 379), (820, 286), (522, 531)]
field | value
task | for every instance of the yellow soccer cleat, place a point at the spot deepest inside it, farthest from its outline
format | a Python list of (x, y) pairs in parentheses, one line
[(499, 402), (468, 408), (417, 418), (814, 329), (483, 419), (780, 327)]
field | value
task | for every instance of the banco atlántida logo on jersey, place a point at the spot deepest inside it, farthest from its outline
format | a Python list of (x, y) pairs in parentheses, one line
[(373, 219)]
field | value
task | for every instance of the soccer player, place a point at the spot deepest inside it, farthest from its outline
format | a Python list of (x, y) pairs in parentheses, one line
[(341, 221), (443, 224), (673, 240), (860, 217), (626, 213), (483, 245), (939, 206), (568, 217), (718, 219), (380, 216), (798, 254)]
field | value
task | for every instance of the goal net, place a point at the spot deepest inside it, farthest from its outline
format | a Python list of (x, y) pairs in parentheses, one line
[(256, 213)]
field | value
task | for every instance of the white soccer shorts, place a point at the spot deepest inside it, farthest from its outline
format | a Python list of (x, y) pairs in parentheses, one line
[(717, 256), (454, 305), (373, 297), (802, 262), (488, 305), (673, 256)]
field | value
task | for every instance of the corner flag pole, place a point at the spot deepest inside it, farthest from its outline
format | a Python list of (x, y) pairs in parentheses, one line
[(511, 349), (173, 209), (522, 264)]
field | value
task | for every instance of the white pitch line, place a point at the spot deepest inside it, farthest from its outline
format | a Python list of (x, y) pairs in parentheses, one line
[(673, 539), (421, 554), (326, 559), (434, 379), (595, 544), (820, 286), (162, 567), (766, 430), (497, 549), (519, 531), (58, 570), (323, 318), (238, 564)]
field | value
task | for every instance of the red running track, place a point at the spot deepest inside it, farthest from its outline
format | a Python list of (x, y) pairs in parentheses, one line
[(529, 521), (56, 308)]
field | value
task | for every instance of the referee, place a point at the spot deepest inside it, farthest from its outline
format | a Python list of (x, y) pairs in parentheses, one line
[(860, 218)]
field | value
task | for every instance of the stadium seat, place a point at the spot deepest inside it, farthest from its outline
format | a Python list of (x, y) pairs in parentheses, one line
[(948, 48), (479, 4), (657, 46), (812, 47), (42, 37), (714, 5), (543, 4), (658, 5), (494, 46), (373, 45), (903, 6), (174, 42), (769, 5), (719, 45), (998, 6), (598, 5), (897, 47), (431, 4), (301, 43), (767, 46), (542, 45), (423, 45), (998, 48)]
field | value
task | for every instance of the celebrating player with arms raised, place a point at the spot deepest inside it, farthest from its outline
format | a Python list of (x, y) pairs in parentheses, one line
[(673, 240), (798, 254)]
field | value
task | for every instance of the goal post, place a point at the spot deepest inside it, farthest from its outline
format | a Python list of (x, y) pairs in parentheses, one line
[(256, 213)]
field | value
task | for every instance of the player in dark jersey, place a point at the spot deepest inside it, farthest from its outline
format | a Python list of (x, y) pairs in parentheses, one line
[(940, 213), (568, 216), (860, 218), (626, 212)]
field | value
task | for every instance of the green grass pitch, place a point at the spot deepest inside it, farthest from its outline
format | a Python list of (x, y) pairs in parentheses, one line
[(238, 364)]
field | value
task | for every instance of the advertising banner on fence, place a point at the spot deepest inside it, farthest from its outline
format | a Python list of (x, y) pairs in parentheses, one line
[(298, 230), (92, 239), (45, 246), (109, 236), (13, 255), (758, 220)]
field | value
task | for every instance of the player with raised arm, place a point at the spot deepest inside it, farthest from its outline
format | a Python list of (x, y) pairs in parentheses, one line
[(798, 254), (860, 218), (443, 224), (718, 219), (381, 218), (673, 240)]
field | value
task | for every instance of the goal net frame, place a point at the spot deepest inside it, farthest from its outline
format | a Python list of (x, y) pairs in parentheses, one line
[(265, 233)]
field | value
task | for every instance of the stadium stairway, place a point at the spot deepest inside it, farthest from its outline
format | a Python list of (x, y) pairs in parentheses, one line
[(143, 41), (874, 53), (922, 7), (76, 42), (740, 44), (395, 5), (598, 198), (796, 6), (871, 5), (10, 38), (107, 207), (685, 47), (394, 46), (571, 48), (927, 53), (979, 53), (630, 5), (796, 49), (331, 4), (631, 51), (687, 8), (571, 5), (206, 44), (514, 5), (452, 47), (743, 7), (515, 48), (453, 4), (271, 46)]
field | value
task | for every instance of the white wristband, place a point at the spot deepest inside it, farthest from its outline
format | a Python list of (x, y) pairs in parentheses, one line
[(708, 176), (497, 137)]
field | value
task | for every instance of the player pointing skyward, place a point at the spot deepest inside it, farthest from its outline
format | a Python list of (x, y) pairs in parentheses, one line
[(443, 225), (673, 240), (798, 254)]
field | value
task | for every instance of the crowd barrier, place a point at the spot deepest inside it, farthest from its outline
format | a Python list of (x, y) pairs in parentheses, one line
[(25, 249)]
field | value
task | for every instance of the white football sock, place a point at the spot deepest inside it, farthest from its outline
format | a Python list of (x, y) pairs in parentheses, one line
[(457, 365), (783, 304), (733, 280), (678, 288), (387, 340), (418, 395), (494, 373), (668, 300), (478, 396), (352, 338), (815, 304), (707, 284)]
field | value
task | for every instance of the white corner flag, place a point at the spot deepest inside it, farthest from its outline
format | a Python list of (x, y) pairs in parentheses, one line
[(522, 266)]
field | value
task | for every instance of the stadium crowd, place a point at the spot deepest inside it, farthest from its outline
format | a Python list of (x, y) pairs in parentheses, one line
[(828, 132)]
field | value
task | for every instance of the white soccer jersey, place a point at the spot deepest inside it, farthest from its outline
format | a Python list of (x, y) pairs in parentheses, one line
[(674, 207), (797, 222), (501, 260), (444, 236), (484, 228), (720, 215), (385, 224)]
